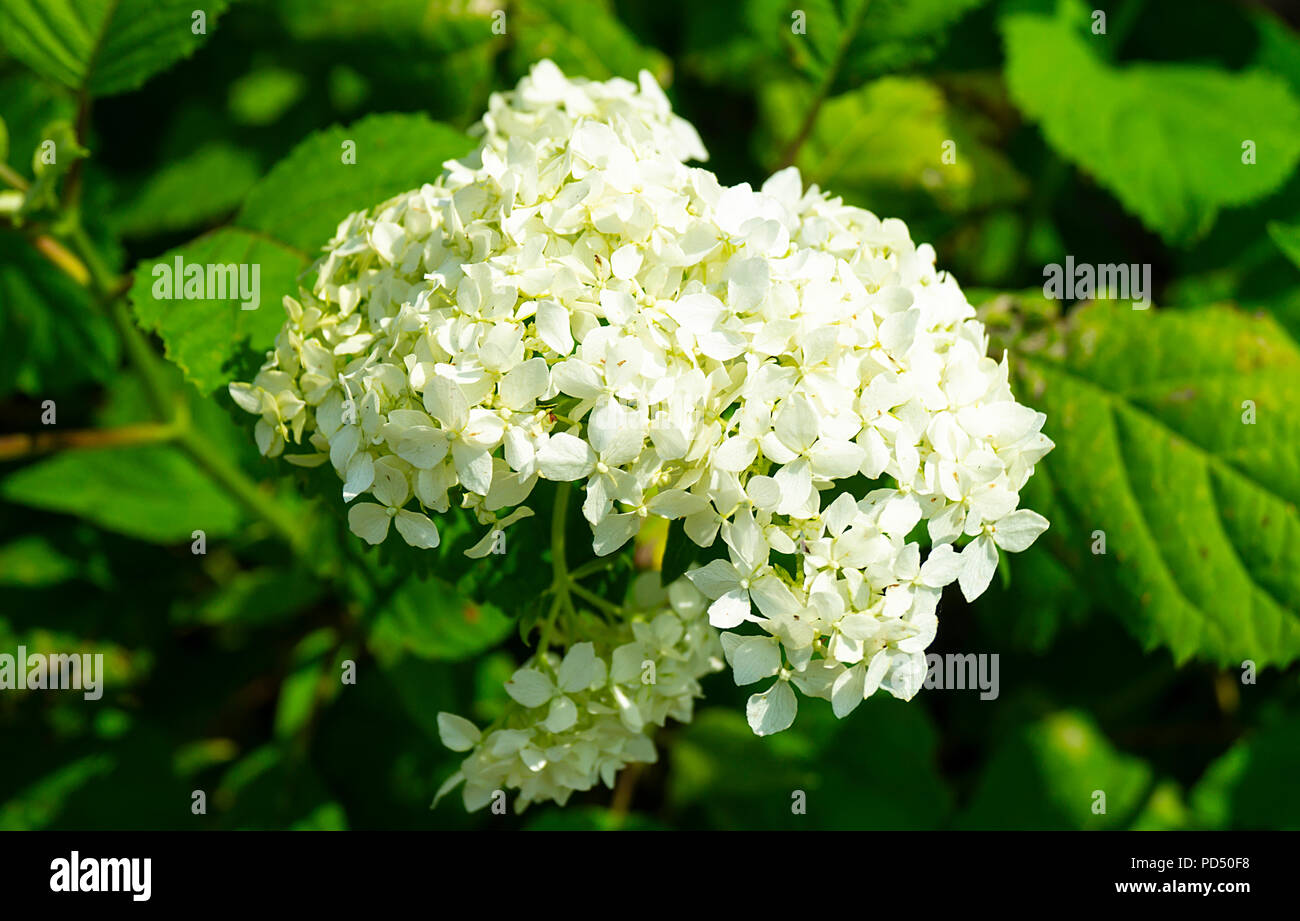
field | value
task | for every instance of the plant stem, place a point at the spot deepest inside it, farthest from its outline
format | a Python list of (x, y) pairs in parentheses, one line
[(108, 287), (824, 88), (621, 802), (12, 178), (592, 598), (63, 259), (560, 580), (27, 445), (247, 492), (593, 567), (158, 391), (559, 519)]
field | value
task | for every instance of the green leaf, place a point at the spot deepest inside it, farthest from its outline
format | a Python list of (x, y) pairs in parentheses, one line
[(1166, 139), (1165, 810), (430, 619), (891, 36), (890, 131), (53, 158), (151, 492), (849, 41), (1277, 46), (254, 598), (288, 215), (887, 138), (1048, 775), (263, 96), (305, 196), (102, 46), (32, 561), (1253, 784), (1151, 413), (309, 683), (154, 492), (268, 789), (583, 37), (39, 804), (55, 338), (205, 185), (202, 334)]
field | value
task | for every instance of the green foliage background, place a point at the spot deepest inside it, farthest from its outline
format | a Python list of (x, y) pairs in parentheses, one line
[(1119, 672)]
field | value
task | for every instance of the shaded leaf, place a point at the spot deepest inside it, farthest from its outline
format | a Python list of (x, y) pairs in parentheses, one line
[(722, 772), (583, 37), (27, 106), (1049, 775), (205, 185), (39, 804), (883, 35), (267, 789), (309, 683), (32, 561), (1287, 238), (430, 619), (1253, 784)]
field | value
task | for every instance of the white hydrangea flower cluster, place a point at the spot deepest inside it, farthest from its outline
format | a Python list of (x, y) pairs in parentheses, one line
[(577, 721), (573, 302)]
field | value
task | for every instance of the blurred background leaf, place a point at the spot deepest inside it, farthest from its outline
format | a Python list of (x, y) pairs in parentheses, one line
[(1251, 785), (1059, 772), (874, 769)]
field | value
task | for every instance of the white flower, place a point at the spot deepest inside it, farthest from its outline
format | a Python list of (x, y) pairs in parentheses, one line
[(370, 521), (1014, 532), (573, 302), (732, 585), (773, 710), (533, 688), (576, 721)]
